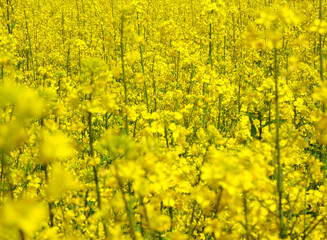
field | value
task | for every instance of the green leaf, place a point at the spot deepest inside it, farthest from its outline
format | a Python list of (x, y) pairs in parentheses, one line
[(20, 63), (13, 25), (138, 228), (272, 121), (251, 115), (253, 128)]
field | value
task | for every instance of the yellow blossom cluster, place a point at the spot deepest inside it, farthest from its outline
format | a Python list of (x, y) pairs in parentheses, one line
[(163, 119)]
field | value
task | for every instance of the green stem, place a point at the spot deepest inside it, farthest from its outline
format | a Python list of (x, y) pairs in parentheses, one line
[(154, 87), (147, 217), (21, 234), (321, 55), (177, 69), (219, 109), (90, 134), (8, 17), (210, 45), (127, 209), (63, 215), (2, 166), (2, 67), (68, 61), (305, 205), (50, 204), (95, 169), (239, 94), (205, 110), (171, 214), (2, 174), (282, 233), (166, 135), (142, 65), (30, 45), (123, 68)]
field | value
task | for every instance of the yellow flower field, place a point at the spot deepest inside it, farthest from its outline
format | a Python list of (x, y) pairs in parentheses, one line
[(163, 119)]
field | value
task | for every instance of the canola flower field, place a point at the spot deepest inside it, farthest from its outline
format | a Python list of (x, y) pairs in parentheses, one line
[(163, 119)]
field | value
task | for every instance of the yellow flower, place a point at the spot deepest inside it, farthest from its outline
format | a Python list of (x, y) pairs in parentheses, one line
[(25, 214), (319, 26), (55, 147), (60, 182), (160, 222)]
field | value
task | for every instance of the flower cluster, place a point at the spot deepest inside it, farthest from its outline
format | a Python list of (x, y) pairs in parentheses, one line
[(163, 119)]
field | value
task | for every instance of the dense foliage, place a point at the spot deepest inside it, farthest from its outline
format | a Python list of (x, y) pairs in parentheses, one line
[(163, 119)]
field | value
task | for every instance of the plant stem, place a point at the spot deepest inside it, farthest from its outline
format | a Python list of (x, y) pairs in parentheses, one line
[(22, 235), (50, 203), (95, 170), (166, 134), (2, 67), (282, 233), (2, 174), (142, 65), (127, 209), (30, 46), (321, 55), (147, 217), (219, 114), (210, 46), (154, 86), (123, 68), (205, 110), (305, 205)]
